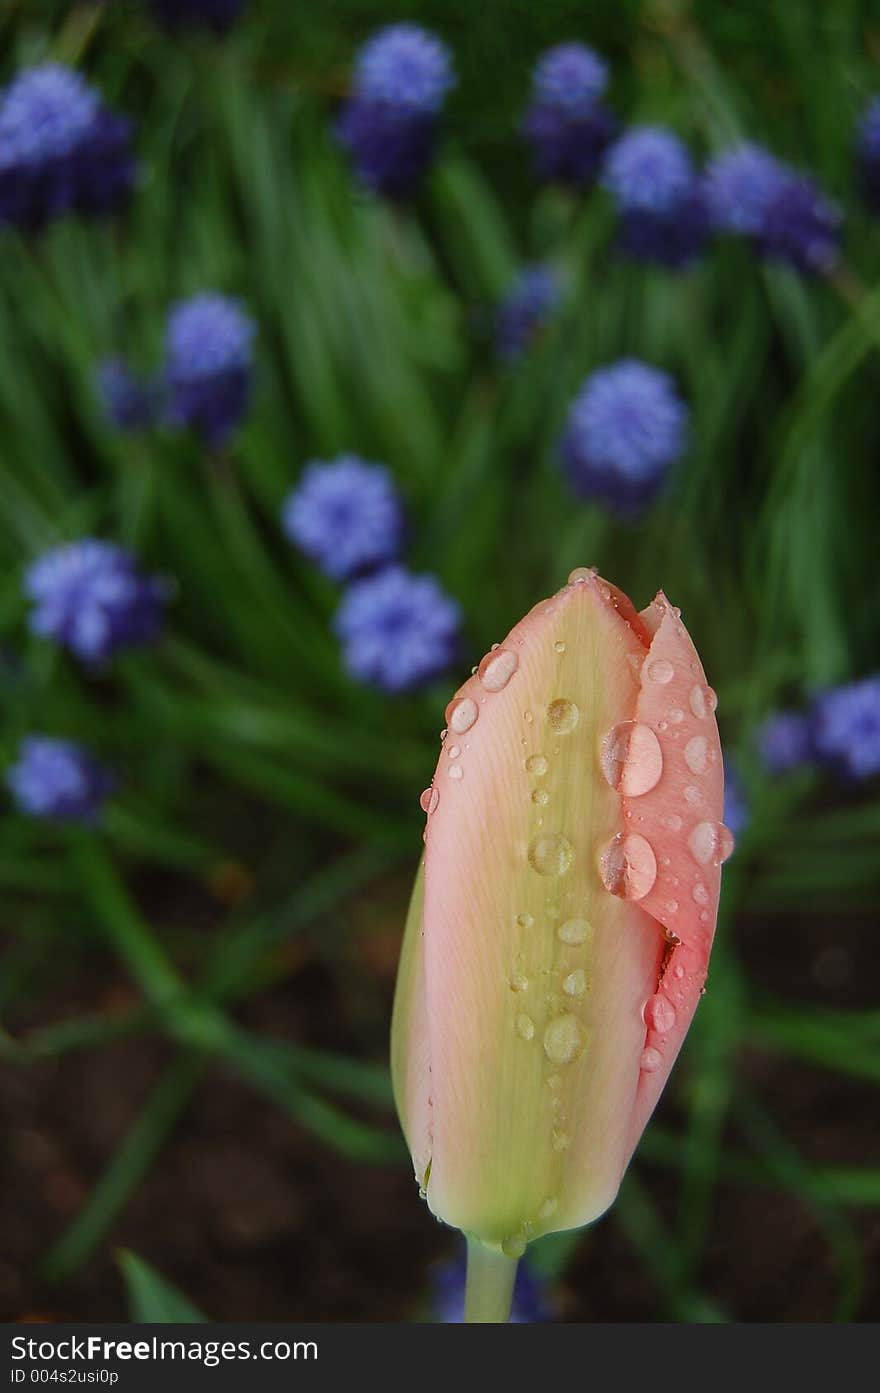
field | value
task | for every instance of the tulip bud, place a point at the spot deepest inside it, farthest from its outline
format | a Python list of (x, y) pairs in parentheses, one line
[(560, 928)]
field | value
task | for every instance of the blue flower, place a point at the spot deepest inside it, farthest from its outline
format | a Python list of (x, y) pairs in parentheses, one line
[(783, 212), (398, 630), (868, 154), (208, 358), (530, 1303), (57, 779), (128, 403), (625, 428), (846, 727), (90, 597), (663, 217), (736, 807), (784, 741), (218, 15), (526, 309), (389, 125), (346, 515), (406, 67), (60, 150), (565, 124)]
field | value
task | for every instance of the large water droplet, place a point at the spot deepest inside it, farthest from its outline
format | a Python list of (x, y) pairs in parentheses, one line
[(575, 931), (429, 800), (461, 714), (711, 843), (575, 983), (661, 670), (696, 754), (563, 715), (551, 854), (703, 701), (651, 1060), (659, 1014), (631, 758), (628, 866), (581, 574), (563, 1039), (536, 764), (456, 772), (514, 1247), (497, 668), (525, 1027)]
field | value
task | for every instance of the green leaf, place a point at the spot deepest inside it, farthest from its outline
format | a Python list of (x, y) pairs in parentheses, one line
[(152, 1300)]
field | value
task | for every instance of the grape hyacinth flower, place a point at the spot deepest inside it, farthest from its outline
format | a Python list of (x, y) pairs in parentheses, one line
[(208, 360), (625, 428), (784, 742), (90, 597), (659, 196), (61, 151), (127, 401), (389, 125), (346, 515), (846, 727), (530, 1304), (216, 15), (398, 630), (868, 155), (57, 779), (783, 212), (565, 123), (525, 310)]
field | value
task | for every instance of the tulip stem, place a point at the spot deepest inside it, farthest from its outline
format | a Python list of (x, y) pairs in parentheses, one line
[(489, 1290)]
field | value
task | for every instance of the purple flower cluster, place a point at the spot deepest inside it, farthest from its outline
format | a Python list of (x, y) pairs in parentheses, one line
[(840, 730), (783, 212), (565, 123), (128, 402), (625, 428), (346, 515), (389, 125), (525, 310), (59, 780), (207, 370), (61, 151), (650, 174)]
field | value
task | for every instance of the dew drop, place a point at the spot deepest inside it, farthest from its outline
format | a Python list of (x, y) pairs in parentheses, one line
[(675, 716), (575, 931), (661, 670), (694, 796), (711, 843), (461, 714), (456, 772), (514, 1247), (563, 1039), (581, 574), (700, 893), (519, 982), (659, 1014), (525, 920), (454, 751), (651, 1060), (696, 754), (551, 854), (628, 866), (561, 1140), (525, 1027), (528, 717), (672, 821), (550, 1206), (536, 764), (559, 646), (540, 796), (672, 906), (631, 758), (575, 984), (429, 800), (563, 715), (497, 668), (703, 701)]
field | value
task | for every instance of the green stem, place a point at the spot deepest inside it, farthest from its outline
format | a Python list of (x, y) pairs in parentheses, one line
[(489, 1290)]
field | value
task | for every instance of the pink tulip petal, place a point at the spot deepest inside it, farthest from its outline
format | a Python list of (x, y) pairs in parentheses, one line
[(410, 1056)]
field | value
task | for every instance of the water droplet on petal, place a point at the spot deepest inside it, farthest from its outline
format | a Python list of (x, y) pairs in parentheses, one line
[(672, 906), (429, 800), (628, 866), (575, 931), (581, 574), (497, 668), (694, 796), (456, 771), (675, 715), (550, 1206), (703, 701), (700, 893), (661, 670), (559, 646), (461, 714), (561, 1140), (454, 751), (563, 715), (711, 843), (631, 758), (525, 1027), (563, 1039), (651, 1060), (540, 796), (525, 920), (551, 854), (575, 983), (672, 821), (514, 1247), (536, 764), (696, 754), (659, 1014), (519, 982)]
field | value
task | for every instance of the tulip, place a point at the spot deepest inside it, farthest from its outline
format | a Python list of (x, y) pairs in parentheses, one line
[(559, 932)]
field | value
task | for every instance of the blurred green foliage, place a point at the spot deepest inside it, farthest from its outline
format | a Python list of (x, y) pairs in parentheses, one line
[(241, 738)]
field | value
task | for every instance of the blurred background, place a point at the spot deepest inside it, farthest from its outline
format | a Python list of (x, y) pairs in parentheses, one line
[(234, 242)]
